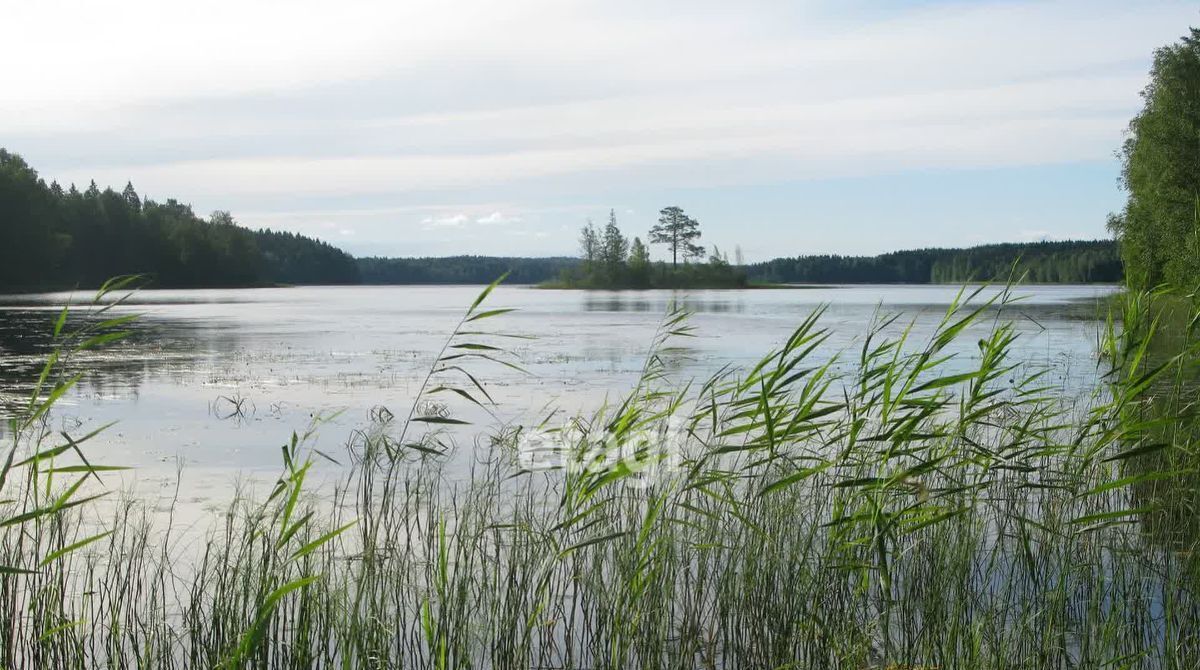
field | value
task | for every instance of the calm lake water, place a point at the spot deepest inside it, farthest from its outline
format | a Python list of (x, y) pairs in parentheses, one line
[(286, 355)]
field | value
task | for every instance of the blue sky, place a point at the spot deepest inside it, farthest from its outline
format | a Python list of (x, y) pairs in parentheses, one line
[(435, 127)]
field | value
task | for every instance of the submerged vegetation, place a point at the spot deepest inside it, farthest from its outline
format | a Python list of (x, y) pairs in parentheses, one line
[(900, 505)]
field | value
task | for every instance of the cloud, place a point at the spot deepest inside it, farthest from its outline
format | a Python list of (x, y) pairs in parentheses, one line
[(293, 112), (497, 219), (797, 152), (460, 219), (448, 221), (422, 78)]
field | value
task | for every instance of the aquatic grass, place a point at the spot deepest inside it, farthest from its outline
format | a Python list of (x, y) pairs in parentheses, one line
[(899, 505)]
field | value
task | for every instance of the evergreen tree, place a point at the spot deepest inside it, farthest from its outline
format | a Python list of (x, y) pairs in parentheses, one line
[(1068, 262), (639, 263), (614, 246), (615, 263), (679, 232), (131, 197), (52, 239)]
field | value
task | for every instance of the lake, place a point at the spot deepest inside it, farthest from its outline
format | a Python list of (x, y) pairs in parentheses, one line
[(211, 383), (217, 380)]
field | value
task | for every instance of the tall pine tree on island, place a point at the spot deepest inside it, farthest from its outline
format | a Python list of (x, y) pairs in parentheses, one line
[(611, 262), (679, 232)]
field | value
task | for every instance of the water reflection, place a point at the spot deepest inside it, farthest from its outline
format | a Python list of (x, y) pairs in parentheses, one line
[(155, 347), (1171, 417), (292, 354), (634, 301)]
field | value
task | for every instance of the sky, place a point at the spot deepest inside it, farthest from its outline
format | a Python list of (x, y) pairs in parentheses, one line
[(430, 128)]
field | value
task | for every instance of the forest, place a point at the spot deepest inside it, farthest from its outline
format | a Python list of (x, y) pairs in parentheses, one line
[(461, 269), (1041, 262), (1073, 262), (52, 237), (1159, 228)]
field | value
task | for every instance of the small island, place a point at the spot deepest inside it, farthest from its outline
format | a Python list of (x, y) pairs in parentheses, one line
[(610, 261)]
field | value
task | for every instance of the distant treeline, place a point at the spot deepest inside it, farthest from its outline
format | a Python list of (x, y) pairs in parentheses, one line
[(1048, 262), (462, 269), (52, 237)]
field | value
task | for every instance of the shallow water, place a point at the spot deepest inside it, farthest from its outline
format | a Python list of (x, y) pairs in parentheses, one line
[(218, 379)]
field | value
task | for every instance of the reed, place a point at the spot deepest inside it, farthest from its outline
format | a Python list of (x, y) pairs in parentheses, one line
[(895, 506)]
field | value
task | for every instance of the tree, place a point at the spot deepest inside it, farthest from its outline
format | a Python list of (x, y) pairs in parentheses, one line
[(1159, 228), (131, 197), (52, 238), (27, 246), (1068, 261), (614, 246), (221, 217), (639, 263), (679, 232), (589, 245)]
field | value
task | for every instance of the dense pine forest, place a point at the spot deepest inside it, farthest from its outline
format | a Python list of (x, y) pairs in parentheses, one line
[(51, 237), (1043, 262)]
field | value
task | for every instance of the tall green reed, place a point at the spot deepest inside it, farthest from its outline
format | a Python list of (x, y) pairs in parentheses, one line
[(913, 503)]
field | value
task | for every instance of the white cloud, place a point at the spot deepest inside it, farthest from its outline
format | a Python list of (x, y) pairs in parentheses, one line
[(798, 152), (252, 104), (460, 219), (497, 219), (448, 221)]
